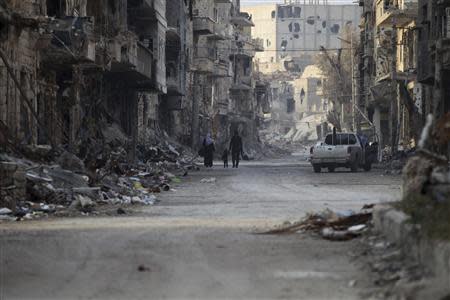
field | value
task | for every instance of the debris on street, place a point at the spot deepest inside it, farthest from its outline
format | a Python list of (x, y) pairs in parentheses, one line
[(394, 274), (330, 225), (208, 180), (40, 184), (426, 180)]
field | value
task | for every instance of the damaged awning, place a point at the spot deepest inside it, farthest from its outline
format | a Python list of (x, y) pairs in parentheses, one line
[(383, 93)]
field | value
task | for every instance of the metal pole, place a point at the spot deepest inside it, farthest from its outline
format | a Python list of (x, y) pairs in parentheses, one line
[(353, 83)]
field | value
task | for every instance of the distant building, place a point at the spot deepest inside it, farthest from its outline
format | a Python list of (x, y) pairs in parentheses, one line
[(308, 92), (295, 30)]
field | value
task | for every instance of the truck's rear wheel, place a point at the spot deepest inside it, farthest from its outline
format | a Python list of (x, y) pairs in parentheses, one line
[(317, 168)]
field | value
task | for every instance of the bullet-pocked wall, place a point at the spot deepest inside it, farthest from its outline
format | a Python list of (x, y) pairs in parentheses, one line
[(294, 29)]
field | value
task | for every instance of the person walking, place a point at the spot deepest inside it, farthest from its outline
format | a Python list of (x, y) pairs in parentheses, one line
[(225, 158), (208, 150), (236, 148)]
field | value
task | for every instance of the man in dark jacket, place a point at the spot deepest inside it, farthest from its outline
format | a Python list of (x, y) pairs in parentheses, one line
[(235, 148)]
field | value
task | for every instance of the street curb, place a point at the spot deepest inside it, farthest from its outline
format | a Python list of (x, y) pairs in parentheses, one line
[(395, 225)]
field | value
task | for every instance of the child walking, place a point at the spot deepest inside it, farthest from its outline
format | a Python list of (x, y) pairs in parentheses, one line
[(225, 158)]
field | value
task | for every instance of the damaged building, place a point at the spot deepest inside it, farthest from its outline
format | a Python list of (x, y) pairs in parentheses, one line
[(81, 66), (389, 87), (403, 60), (72, 69)]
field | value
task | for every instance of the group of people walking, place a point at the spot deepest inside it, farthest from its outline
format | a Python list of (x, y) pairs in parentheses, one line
[(235, 148)]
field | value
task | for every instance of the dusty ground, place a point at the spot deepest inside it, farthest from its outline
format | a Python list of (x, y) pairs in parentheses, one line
[(199, 242)]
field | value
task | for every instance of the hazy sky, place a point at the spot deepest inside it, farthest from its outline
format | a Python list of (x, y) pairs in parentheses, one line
[(250, 2)]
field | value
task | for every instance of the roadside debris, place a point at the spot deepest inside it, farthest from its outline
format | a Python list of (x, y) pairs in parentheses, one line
[(426, 180), (395, 275), (331, 225), (208, 180), (42, 181)]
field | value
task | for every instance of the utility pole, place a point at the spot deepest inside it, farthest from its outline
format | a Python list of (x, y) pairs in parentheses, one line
[(394, 102), (195, 112), (353, 83)]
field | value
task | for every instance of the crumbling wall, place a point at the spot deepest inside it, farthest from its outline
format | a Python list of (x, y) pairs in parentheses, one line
[(20, 49)]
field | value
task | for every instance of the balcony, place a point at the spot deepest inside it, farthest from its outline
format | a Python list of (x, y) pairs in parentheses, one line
[(174, 86), (69, 41), (145, 66), (222, 108), (382, 94), (203, 25), (143, 12), (204, 58), (398, 13), (221, 69), (259, 44), (222, 32), (242, 19), (242, 48), (173, 35), (242, 83), (134, 63)]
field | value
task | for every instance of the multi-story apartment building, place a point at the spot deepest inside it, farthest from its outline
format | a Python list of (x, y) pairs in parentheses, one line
[(297, 29), (70, 67), (224, 86), (387, 85)]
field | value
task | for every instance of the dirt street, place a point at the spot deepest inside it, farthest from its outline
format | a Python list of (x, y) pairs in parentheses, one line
[(199, 242)]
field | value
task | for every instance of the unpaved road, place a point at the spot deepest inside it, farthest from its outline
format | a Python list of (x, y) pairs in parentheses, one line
[(199, 242)]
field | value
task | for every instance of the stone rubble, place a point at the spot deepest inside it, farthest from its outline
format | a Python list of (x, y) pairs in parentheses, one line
[(65, 184)]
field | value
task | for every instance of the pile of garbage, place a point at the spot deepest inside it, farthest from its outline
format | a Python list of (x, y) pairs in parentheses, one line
[(330, 225), (46, 181)]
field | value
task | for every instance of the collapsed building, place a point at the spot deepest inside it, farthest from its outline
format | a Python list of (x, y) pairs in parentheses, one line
[(294, 32)]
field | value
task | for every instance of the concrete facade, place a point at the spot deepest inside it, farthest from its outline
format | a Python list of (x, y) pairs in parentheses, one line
[(296, 30), (179, 67)]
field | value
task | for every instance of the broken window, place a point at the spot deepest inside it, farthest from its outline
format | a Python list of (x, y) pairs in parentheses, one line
[(112, 6), (272, 14), (341, 139), (284, 44), (285, 11), (297, 12), (290, 105), (311, 20), (55, 8), (280, 12), (296, 27), (335, 28)]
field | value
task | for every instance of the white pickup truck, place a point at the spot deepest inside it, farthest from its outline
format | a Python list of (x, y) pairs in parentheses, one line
[(342, 150)]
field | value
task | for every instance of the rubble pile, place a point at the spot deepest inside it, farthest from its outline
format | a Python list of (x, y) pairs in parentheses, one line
[(426, 178), (44, 182), (395, 275), (330, 225)]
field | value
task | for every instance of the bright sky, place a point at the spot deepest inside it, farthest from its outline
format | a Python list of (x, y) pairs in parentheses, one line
[(253, 2)]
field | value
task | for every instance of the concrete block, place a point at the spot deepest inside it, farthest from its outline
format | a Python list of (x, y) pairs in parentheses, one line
[(432, 254)]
